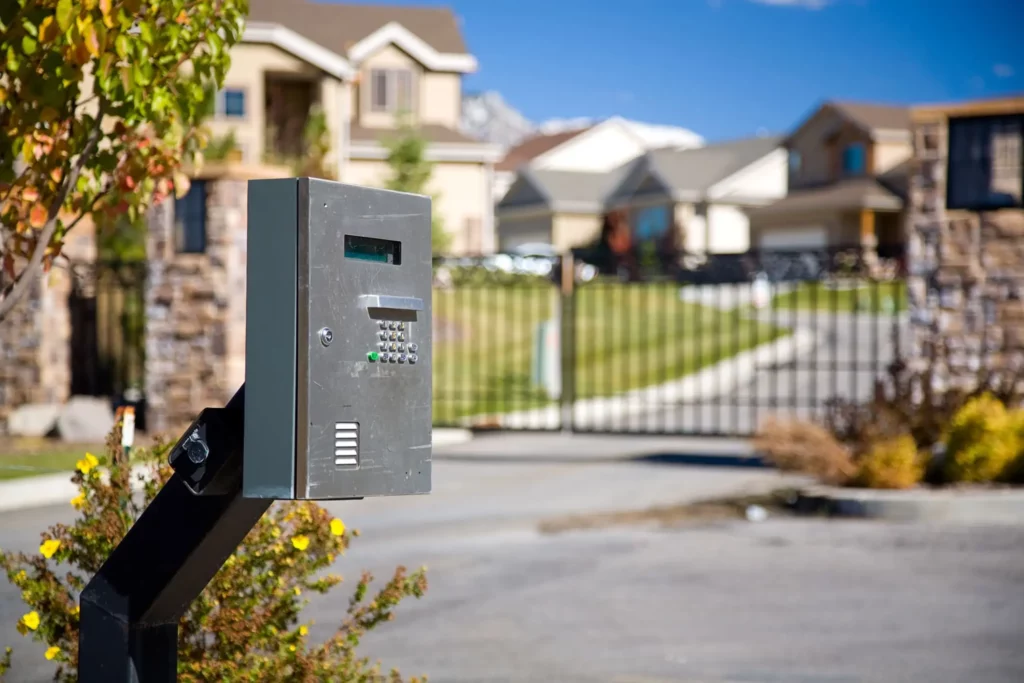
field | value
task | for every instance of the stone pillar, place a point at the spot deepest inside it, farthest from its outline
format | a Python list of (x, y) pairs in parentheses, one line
[(966, 279), (189, 300)]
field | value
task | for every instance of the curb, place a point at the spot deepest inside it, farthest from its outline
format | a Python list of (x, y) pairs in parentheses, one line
[(1004, 506), (56, 489)]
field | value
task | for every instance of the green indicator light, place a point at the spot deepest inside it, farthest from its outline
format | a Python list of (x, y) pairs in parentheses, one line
[(373, 356)]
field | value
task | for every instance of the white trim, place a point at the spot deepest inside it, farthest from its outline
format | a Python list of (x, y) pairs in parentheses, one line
[(890, 135), (525, 211), (344, 124), (426, 55), (538, 160), (489, 243), (436, 151), (299, 46)]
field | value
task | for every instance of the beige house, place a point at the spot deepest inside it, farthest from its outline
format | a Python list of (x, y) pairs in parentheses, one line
[(362, 66), (703, 192), (847, 181)]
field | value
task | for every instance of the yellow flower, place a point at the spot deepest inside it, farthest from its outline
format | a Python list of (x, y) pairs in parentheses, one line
[(292, 648), (31, 620), (298, 591), (75, 610), (20, 576), (48, 548), (87, 463), (337, 527), (300, 542), (303, 630), (52, 652), (78, 500)]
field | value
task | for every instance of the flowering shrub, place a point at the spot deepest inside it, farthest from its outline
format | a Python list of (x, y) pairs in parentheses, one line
[(246, 625), (981, 441), (891, 464)]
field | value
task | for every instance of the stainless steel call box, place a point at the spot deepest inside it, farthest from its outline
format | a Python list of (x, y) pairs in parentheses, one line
[(338, 341)]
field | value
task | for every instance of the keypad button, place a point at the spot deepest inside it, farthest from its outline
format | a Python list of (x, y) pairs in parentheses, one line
[(413, 358), (383, 346), (392, 336), (383, 324), (414, 348), (383, 335), (392, 357), (401, 358), (392, 325), (401, 326), (401, 337), (384, 357), (392, 346), (401, 347)]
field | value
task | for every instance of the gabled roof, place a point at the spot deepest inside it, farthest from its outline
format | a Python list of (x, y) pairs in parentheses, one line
[(567, 191), (873, 117), (851, 193), (430, 35), (531, 148), (690, 173)]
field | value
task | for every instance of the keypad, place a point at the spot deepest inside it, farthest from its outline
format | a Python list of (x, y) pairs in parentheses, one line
[(393, 345)]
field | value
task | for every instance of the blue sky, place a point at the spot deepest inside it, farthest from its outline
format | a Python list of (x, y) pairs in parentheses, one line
[(726, 68)]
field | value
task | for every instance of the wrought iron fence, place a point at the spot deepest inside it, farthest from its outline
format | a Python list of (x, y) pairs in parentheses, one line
[(108, 328), (708, 346)]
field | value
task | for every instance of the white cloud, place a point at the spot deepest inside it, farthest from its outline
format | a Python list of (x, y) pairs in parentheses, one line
[(804, 4), (1003, 70)]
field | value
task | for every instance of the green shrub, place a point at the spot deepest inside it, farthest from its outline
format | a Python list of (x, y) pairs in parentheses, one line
[(891, 464), (246, 623), (981, 441)]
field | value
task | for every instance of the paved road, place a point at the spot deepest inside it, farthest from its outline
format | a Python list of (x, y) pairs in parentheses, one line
[(785, 600), (852, 351)]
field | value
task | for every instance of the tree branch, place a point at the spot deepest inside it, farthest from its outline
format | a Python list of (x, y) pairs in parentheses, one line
[(16, 290)]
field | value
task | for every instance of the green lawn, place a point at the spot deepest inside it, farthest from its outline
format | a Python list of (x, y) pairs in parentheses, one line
[(872, 297), (627, 337), (15, 463)]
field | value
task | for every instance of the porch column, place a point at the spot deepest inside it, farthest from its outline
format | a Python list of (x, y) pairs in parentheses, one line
[(868, 238)]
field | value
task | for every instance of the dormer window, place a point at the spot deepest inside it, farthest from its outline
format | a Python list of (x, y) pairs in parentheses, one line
[(391, 90), (854, 159)]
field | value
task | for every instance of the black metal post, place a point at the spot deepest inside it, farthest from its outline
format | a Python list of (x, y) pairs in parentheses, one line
[(130, 610)]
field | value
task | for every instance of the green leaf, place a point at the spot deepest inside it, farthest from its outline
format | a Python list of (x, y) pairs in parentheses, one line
[(146, 30), (13, 63), (64, 14), (121, 45), (28, 44)]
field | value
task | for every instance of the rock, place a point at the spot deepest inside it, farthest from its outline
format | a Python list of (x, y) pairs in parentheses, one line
[(85, 419), (33, 419)]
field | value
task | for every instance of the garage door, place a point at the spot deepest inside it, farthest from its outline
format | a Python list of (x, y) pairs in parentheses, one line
[(795, 239)]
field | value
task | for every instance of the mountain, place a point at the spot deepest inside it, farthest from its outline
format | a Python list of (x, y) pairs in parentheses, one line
[(486, 116)]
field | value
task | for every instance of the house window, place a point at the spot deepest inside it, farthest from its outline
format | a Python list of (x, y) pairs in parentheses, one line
[(854, 159), (190, 220), (986, 155), (795, 161), (231, 103), (391, 90)]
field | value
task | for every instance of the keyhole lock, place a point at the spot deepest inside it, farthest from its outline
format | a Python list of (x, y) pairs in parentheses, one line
[(326, 336)]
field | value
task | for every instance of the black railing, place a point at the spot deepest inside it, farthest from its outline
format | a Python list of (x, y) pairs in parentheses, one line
[(708, 345), (108, 332)]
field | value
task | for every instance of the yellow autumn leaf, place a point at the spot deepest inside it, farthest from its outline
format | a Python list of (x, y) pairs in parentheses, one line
[(48, 30), (337, 527), (52, 652), (91, 39), (31, 620), (300, 542), (48, 548), (37, 216)]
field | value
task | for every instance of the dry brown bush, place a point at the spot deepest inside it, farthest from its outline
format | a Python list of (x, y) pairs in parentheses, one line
[(807, 448)]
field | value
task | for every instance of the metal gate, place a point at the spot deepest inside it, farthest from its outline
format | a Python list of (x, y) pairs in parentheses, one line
[(711, 349)]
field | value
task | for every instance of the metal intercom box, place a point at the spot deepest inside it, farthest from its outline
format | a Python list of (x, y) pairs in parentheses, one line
[(338, 341)]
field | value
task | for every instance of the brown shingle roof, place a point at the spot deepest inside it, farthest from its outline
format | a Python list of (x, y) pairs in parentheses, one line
[(531, 148), (432, 133), (854, 193), (875, 116), (338, 26)]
